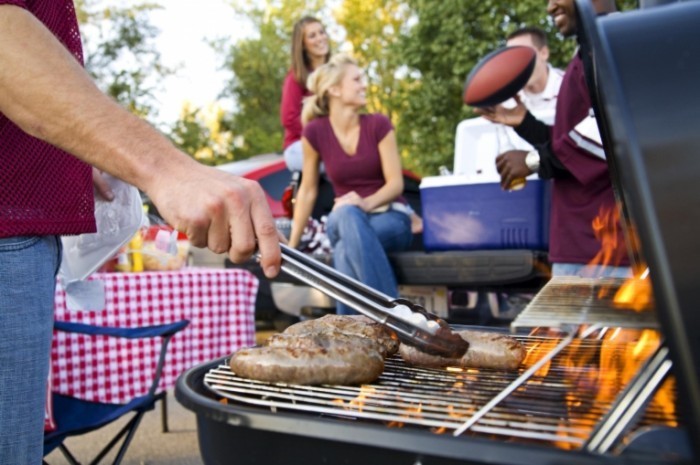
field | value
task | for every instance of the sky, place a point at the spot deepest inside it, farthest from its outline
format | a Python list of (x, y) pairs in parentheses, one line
[(185, 27)]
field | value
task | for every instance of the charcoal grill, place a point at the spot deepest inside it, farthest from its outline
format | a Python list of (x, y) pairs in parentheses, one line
[(546, 414), (553, 409)]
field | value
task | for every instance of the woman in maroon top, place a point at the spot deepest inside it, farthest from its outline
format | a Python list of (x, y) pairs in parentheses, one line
[(310, 49), (361, 159)]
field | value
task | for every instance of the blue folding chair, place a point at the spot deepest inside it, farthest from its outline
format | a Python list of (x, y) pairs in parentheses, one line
[(75, 417)]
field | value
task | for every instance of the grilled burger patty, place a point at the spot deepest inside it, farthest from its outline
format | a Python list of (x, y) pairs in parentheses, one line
[(358, 325), (311, 359), (486, 350)]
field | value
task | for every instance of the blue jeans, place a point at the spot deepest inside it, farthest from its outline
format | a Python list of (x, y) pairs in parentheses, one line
[(28, 267), (588, 271), (360, 242)]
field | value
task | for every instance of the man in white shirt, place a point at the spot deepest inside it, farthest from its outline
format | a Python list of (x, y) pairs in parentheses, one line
[(479, 141), (540, 93)]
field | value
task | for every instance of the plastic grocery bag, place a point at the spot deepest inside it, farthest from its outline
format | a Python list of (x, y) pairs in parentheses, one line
[(117, 222)]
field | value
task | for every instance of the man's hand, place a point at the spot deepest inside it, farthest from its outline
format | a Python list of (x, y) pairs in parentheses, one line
[(512, 117), (101, 186), (511, 165), (222, 212)]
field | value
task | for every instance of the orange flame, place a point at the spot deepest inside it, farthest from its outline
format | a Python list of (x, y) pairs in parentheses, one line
[(611, 365), (635, 293), (411, 412), (537, 352), (540, 349), (594, 371), (605, 229), (623, 353), (358, 402), (365, 392)]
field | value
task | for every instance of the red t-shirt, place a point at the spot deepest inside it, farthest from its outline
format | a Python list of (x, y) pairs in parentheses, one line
[(360, 172), (44, 190), (293, 95)]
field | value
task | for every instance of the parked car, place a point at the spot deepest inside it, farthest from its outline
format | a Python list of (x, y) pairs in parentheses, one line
[(272, 174)]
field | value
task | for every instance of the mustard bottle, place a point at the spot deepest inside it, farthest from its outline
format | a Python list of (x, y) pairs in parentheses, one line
[(136, 244)]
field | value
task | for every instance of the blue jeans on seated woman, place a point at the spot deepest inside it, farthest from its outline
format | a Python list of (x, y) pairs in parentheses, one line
[(360, 243), (28, 267)]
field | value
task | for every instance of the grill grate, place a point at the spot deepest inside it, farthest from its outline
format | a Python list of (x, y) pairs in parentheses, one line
[(568, 300), (561, 406)]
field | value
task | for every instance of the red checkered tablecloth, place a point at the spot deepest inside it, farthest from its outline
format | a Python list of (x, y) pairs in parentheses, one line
[(220, 305)]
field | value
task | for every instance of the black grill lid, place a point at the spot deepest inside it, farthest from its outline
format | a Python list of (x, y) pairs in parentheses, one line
[(647, 76)]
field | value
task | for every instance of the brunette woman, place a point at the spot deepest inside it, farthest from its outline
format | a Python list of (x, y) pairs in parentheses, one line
[(310, 49)]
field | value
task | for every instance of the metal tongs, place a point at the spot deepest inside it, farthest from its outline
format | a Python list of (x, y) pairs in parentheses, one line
[(434, 338)]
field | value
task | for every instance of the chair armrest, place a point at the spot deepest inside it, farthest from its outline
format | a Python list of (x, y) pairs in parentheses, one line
[(129, 333), (164, 331)]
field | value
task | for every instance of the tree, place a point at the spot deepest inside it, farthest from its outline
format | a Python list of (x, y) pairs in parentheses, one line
[(371, 27), (258, 65), (417, 54), (201, 132), (258, 71), (120, 53), (445, 42)]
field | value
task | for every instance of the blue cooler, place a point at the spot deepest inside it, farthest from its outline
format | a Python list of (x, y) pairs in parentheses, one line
[(461, 215)]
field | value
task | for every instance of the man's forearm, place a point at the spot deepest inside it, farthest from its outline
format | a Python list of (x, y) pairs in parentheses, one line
[(533, 130), (45, 91), (549, 165)]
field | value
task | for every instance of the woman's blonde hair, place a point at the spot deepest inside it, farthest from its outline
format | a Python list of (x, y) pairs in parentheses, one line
[(320, 81)]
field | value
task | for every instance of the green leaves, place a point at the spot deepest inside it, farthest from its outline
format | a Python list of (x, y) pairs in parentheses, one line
[(417, 54), (444, 44), (120, 53)]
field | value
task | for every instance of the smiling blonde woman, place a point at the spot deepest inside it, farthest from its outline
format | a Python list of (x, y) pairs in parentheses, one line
[(361, 158)]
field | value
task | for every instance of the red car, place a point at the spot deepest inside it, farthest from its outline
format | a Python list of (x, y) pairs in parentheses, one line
[(272, 174)]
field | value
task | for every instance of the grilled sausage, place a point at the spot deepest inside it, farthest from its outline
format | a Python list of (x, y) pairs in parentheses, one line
[(358, 325), (311, 359), (322, 340), (486, 350)]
